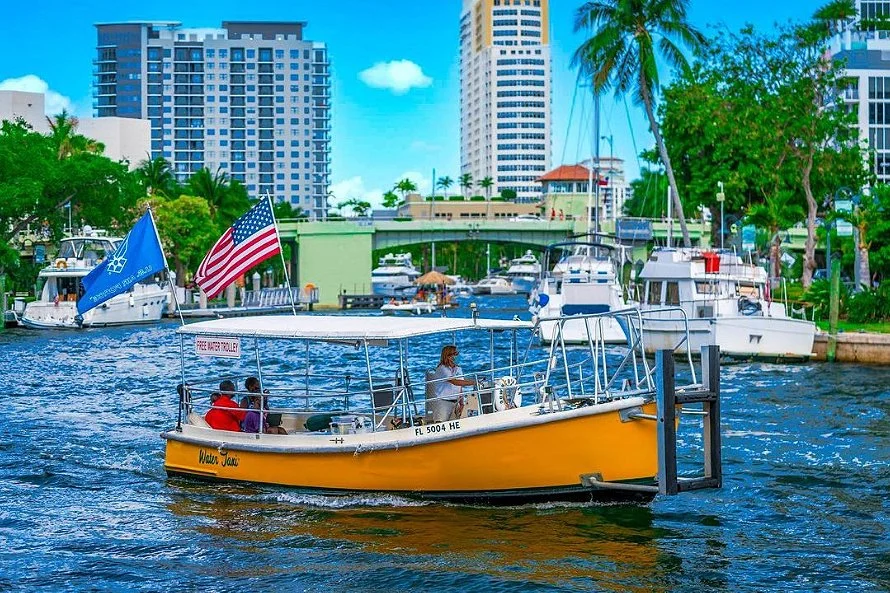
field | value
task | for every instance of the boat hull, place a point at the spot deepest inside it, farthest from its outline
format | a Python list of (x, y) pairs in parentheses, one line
[(143, 306), (510, 456), (746, 337), (574, 331)]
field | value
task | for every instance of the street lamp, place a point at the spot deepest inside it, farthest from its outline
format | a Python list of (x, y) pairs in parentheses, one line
[(721, 197)]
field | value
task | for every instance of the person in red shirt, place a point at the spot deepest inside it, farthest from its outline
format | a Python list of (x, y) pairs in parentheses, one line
[(225, 414)]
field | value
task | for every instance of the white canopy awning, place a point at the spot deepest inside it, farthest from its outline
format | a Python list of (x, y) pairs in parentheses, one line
[(342, 327)]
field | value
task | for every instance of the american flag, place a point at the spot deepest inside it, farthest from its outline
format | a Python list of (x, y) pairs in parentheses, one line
[(252, 239)]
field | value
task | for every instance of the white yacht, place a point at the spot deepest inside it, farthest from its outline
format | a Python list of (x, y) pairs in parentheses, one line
[(728, 303), (394, 275), (494, 285), (583, 282), (524, 273), (59, 287)]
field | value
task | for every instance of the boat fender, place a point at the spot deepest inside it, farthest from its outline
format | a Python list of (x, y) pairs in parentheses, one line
[(749, 306), (61, 264), (507, 394)]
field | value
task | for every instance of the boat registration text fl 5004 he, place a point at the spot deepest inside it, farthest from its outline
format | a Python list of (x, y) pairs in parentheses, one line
[(363, 405)]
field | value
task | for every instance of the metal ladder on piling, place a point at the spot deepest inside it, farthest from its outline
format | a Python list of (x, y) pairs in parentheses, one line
[(667, 400)]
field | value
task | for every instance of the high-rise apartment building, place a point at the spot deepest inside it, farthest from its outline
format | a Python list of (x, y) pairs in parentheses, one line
[(867, 70), (252, 99), (505, 93)]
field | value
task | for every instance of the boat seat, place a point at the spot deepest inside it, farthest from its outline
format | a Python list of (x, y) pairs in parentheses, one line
[(196, 419), (383, 397)]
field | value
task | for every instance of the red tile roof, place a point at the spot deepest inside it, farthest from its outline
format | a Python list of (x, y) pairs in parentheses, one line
[(566, 173)]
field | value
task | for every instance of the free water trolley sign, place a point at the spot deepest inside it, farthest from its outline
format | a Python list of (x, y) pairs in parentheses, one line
[(224, 347)]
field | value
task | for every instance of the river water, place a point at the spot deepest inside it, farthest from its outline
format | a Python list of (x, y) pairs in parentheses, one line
[(86, 504)]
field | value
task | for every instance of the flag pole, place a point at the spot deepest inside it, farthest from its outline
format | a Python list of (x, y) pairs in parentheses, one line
[(290, 289), (151, 215)]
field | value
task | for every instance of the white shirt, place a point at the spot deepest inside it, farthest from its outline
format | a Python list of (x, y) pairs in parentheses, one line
[(444, 389)]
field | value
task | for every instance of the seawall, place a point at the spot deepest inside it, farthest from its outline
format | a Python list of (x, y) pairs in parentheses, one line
[(855, 347)]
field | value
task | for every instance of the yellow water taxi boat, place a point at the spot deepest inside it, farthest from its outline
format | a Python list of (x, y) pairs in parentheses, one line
[(358, 400)]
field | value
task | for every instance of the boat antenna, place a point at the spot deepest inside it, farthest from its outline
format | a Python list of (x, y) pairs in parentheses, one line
[(290, 289)]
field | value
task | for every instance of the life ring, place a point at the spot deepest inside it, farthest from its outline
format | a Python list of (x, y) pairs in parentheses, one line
[(507, 394), (61, 264)]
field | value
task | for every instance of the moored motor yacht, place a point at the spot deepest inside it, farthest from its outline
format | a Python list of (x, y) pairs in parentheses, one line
[(583, 282), (59, 288), (394, 275), (494, 285), (726, 301), (524, 273)]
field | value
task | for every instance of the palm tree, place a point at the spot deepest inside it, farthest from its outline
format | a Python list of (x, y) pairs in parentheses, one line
[(445, 183), (621, 56), (406, 186), (213, 187), (390, 199), (64, 136), (156, 175), (466, 183), (777, 213), (486, 183)]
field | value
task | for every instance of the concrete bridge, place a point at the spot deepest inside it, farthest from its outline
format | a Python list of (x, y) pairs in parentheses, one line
[(336, 255)]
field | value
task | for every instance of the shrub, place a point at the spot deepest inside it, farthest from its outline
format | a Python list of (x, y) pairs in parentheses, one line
[(455, 198), (508, 194), (819, 294), (477, 198), (870, 305)]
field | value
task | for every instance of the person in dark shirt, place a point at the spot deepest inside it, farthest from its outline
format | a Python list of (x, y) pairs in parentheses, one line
[(258, 401)]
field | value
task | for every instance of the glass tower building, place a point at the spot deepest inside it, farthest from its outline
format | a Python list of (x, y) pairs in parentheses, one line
[(252, 99), (505, 114)]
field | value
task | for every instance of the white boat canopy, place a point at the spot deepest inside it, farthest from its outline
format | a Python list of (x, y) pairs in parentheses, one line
[(342, 327)]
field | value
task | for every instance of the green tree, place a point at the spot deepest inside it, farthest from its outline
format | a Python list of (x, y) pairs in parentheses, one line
[(66, 140), (486, 184), (35, 184), (287, 211), (648, 192), (406, 186), (186, 230), (797, 136), (778, 213), (466, 183), (359, 207), (628, 36), (390, 199), (445, 183), (157, 177)]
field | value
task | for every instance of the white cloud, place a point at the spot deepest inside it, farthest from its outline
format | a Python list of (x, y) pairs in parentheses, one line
[(354, 187), (399, 76), (31, 83)]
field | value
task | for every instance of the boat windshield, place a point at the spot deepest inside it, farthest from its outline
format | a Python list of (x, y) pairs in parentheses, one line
[(87, 248)]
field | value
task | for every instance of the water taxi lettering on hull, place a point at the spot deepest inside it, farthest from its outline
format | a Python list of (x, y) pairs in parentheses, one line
[(223, 459), (390, 418)]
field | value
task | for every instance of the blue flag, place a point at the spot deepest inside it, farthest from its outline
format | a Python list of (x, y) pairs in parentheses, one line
[(137, 257)]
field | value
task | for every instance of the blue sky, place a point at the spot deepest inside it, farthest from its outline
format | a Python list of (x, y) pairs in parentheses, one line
[(380, 134)]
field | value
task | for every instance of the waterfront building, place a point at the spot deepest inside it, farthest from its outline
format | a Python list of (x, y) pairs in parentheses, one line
[(125, 139), (565, 189), (25, 105), (505, 119), (249, 98), (417, 207), (867, 71)]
